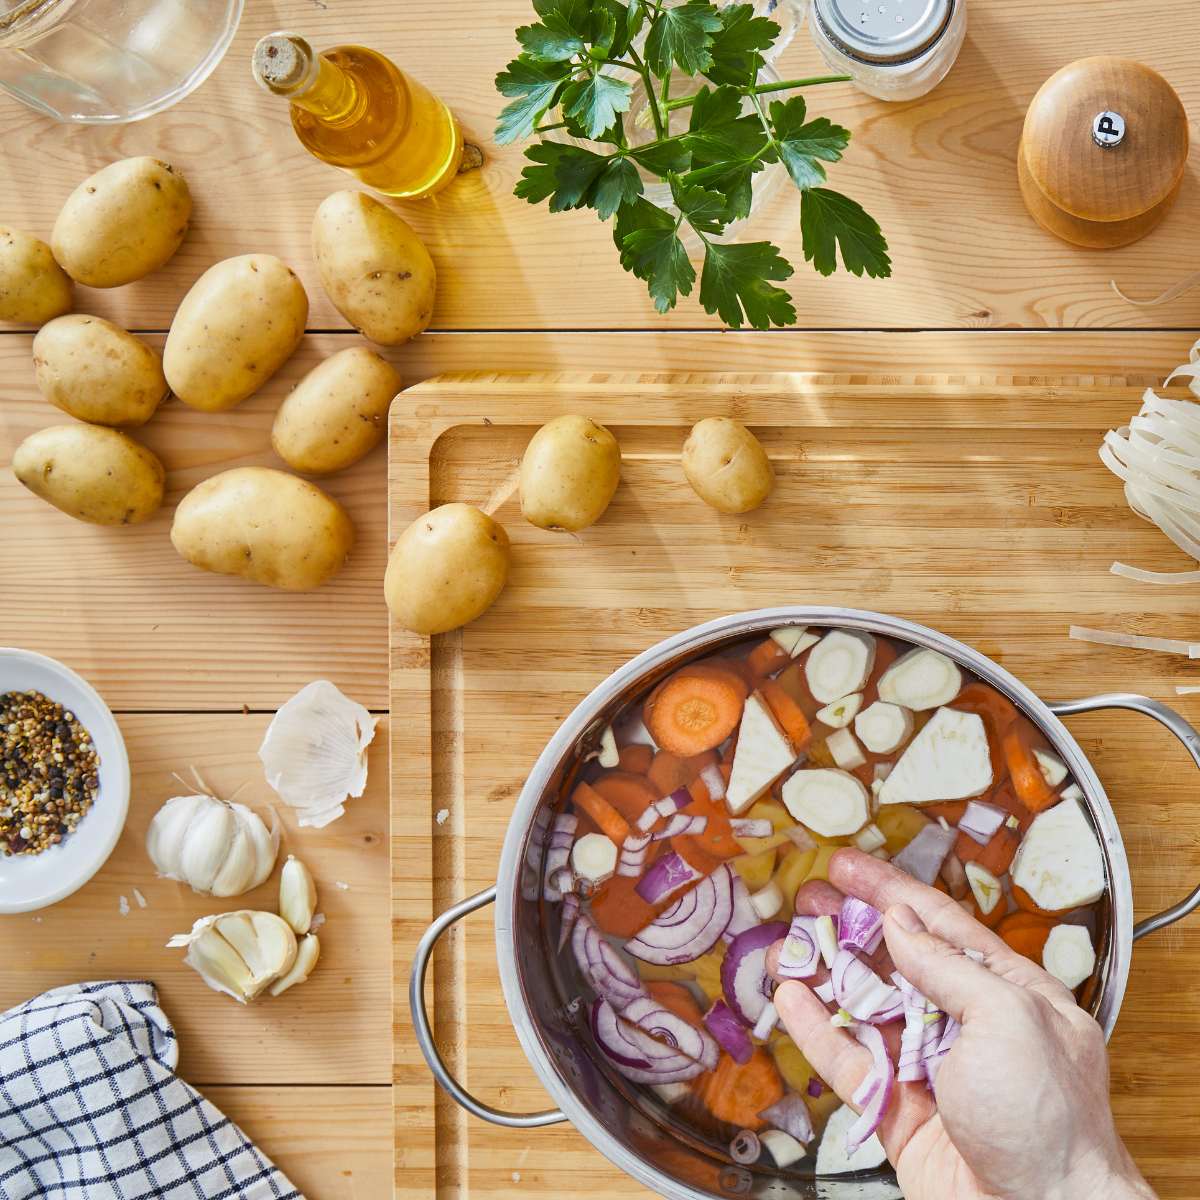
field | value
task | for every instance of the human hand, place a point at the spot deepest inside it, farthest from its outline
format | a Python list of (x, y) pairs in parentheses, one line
[(1021, 1109)]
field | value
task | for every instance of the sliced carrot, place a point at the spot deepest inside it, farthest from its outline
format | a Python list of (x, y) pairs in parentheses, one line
[(1004, 798), (692, 851), (996, 856), (629, 794), (992, 919), (669, 772), (717, 838), (731, 668), (1027, 779), (694, 710), (607, 819), (618, 910), (952, 810), (635, 758), (737, 1094), (1026, 933), (677, 999), (788, 713), (767, 657), (1026, 901)]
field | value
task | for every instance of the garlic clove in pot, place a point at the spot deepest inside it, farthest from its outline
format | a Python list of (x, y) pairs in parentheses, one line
[(307, 954), (297, 895), (239, 953), (315, 751)]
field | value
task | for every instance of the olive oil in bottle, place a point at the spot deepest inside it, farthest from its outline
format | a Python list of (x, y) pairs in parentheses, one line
[(355, 109)]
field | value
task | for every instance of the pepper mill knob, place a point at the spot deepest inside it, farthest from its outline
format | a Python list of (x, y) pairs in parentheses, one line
[(1103, 151)]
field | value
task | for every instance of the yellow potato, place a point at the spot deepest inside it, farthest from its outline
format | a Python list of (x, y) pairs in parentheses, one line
[(123, 222), (373, 267), (91, 473), (337, 413), (97, 372), (727, 465), (33, 287), (236, 327), (446, 569), (264, 525), (569, 473)]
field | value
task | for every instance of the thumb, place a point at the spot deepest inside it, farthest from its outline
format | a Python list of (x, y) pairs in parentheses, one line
[(954, 982)]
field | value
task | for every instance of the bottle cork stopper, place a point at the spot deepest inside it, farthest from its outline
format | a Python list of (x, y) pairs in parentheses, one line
[(281, 61)]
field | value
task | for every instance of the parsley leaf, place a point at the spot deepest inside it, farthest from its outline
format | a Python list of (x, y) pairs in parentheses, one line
[(801, 144), (734, 280), (563, 173), (682, 35), (596, 101), (727, 147), (619, 184), (565, 16), (828, 221), (650, 248), (662, 158), (549, 45), (536, 86), (704, 210), (735, 48)]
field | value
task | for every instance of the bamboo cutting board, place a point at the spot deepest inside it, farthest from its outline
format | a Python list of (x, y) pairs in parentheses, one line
[(979, 509)]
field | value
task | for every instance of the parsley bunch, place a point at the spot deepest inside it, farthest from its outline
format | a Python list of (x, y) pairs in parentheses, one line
[(571, 66)]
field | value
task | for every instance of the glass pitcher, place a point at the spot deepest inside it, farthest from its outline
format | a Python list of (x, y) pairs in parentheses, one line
[(96, 61)]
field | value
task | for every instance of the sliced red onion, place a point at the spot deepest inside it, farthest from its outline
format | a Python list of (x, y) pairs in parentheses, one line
[(691, 927), (558, 855), (668, 874), (744, 979), (680, 824), (745, 1148), (766, 1022), (980, 821), (752, 827), (931, 1061), (668, 806), (862, 993), (672, 1030), (745, 915), (792, 1116), (919, 1014), (610, 976), (567, 918), (874, 1094), (922, 858), (800, 956), (632, 859), (636, 1054), (860, 926), (816, 1089), (730, 1032), (824, 991), (953, 1029), (714, 781)]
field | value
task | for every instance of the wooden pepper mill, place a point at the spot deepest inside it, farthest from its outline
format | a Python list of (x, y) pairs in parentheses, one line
[(1102, 152)]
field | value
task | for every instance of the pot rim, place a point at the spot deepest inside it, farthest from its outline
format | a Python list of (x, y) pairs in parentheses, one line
[(582, 724)]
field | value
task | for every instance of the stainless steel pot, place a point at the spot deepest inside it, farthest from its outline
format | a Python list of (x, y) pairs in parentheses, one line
[(539, 985)]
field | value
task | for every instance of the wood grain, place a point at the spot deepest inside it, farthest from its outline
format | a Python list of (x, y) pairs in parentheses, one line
[(331, 1030), (938, 173), (979, 509)]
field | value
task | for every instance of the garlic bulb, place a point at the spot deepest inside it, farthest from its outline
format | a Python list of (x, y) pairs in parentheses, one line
[(315, 751), (217, 849), (240, 953), (297, 895)]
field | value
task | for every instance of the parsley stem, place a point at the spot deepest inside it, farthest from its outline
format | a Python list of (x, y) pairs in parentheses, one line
[(760, 89), (547, 128), (648, 84)]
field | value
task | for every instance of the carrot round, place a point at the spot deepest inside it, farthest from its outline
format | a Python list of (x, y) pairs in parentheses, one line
[(1026, 901), (629, 794), (996, 856), (675, 998), (787, 712), (767, 657), (1027, 779), (737, 1094), (692, 851), (618, 910), (952, 810), (716, 840), (635, 758), (608, 820), (1026, 933), (992, 919), (668, 771), (694, 710)]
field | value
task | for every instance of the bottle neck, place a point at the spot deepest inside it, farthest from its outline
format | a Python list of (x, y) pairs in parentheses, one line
[(286, 65)]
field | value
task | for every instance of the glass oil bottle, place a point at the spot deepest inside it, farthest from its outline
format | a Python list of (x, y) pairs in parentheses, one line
[(356, 109)]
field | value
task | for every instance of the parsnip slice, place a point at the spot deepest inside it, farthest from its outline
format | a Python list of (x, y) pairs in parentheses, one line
[(841, 712), (795, 639), (846, 751), (920, 679), (948, 760), (828, 801), (1059, 862), (763, 754), (1053, 769), (1069, 954), (594, 857), (839, 664), (883, 727), (782, 1147)]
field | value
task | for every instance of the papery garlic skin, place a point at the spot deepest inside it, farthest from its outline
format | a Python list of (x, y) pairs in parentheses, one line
[(297, 895), (315, 751), (307, 954), (216, 848), (240, 953)]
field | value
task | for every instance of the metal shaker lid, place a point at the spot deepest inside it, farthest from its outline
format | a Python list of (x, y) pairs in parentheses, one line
[(883, 31)]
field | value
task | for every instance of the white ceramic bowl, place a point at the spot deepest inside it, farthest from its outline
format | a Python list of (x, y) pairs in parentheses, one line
[(29, 881)]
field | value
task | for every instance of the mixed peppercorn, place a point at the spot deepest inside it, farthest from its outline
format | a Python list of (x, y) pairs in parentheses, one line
[(49, 772)]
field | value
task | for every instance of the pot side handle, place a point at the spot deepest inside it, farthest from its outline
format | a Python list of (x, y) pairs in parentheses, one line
[(424, 1028), (1191, 741)]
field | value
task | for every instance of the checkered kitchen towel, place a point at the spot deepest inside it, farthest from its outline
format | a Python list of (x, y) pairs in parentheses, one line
[(91, 1108)]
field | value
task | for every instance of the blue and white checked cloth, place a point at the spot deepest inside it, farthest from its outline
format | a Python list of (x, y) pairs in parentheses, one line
[(91, 1107)]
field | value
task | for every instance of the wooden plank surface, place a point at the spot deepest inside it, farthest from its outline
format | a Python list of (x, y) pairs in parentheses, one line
[(888, 493), (939, 174)]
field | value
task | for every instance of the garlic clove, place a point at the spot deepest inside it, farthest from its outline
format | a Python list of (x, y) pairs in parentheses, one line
[(205, 844), (216, 961), (265, 942), (264, 841), (235, 873), (165, 837), (297, 895), (307, 954), (315, 751)]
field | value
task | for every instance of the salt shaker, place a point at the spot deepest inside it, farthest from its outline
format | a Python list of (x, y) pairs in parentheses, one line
[(892, 49)]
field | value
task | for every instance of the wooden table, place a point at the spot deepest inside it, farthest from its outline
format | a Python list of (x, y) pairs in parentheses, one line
[(195, 664)]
